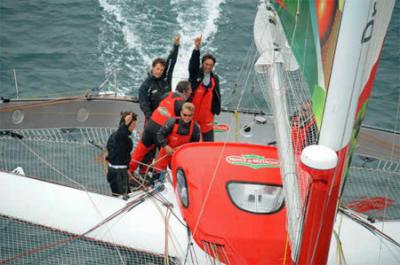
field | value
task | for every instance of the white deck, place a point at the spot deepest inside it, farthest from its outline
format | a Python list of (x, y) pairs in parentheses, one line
[(143, 227)]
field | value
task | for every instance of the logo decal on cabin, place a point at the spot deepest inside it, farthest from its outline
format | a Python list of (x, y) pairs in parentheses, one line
[(164, 111), (253, 161)]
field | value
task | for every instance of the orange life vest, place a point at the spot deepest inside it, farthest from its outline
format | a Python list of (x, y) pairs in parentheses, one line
[(174, 140), (202, 101), (166, 108)]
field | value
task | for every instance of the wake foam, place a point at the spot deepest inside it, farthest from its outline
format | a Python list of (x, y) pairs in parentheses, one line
[(194, 18), (121, 46), (132, 34)]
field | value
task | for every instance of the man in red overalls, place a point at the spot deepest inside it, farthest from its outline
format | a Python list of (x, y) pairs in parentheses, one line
[(206, 94), (304, 127), (170, 106), (175, 132)]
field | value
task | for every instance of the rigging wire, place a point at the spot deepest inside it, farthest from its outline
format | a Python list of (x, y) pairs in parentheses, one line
[(126, 208), (339, 248), (159, 197), (105, 220), (377, 232), (340, 257), (217, 166), (396, 124), (241, 99), (166, 236)]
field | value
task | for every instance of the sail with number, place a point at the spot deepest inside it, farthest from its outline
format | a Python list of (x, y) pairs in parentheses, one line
[(318, 79)]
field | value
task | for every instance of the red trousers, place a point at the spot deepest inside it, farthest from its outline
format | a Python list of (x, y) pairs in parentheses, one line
[(140, 151), (162, 160)]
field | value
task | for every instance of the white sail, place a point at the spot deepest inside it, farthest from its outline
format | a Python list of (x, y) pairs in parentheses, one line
[(362, 32), (275, 58)]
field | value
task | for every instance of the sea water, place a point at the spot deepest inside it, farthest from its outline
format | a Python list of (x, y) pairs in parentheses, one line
[(69, 47)]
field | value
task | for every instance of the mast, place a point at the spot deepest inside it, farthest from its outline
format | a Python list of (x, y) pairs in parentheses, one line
[(337, 54), (360, 39), (275, 58), (289, 177)]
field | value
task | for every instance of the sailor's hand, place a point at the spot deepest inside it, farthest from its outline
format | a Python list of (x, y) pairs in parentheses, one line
[(177, 40), (128, 119), (197, 42), (130, 176), (169, 150)]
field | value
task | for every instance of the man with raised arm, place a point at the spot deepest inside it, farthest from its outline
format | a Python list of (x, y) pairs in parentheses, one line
[(156, 85), (206, 93), (158, 81)]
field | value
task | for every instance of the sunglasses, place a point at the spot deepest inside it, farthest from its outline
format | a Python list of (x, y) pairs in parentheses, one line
[(187, 115)]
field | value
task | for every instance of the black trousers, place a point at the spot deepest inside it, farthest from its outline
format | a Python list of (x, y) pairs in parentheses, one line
[(208, 136), (118, 179)]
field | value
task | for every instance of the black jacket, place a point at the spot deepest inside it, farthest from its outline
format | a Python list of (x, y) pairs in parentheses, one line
[(152, 89), (184, 129), (196, 76), (120, 147)]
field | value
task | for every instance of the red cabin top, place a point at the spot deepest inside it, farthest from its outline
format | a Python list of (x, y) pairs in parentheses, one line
[(232, 200)]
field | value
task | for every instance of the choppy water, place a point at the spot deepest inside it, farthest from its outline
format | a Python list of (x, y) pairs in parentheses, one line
[(65, 47), (71, 46)]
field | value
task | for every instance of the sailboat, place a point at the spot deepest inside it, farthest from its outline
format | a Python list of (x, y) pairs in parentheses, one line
[(270, 191)]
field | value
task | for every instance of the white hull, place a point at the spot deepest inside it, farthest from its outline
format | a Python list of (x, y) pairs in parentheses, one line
[(143, 227), (75, 211), (361, 246)]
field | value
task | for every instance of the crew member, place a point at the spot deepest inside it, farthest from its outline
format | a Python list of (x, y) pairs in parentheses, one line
[(175, 132), (158, 82), (206, 93), (304, 127), (119, 147), (169, 107)]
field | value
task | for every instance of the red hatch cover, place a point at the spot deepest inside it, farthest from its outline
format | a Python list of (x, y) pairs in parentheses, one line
[(232, 200)]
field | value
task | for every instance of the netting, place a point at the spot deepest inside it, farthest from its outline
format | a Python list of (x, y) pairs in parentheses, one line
[(73, 157), (25, 243), (373, 189), (288, 93), (290, 101), (303, 126)]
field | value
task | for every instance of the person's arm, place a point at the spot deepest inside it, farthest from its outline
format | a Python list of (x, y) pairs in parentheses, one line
[(123, 131), (194, 62), (171, 61), (144, 101), (178, 107), (121, 138), (196, 133), (164, 131)]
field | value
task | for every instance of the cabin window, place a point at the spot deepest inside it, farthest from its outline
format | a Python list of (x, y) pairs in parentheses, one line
[(256, 198), (181, 186)]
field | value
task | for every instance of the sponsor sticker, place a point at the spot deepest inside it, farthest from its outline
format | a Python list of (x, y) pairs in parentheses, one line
[(253, 161), (164, 111), (221, 127), (366, 204)]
